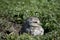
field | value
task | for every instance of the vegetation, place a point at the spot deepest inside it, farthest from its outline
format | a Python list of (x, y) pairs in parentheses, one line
[(16, 11)]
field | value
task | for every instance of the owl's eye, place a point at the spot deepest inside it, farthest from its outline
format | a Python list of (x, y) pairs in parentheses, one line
[(35, 22)]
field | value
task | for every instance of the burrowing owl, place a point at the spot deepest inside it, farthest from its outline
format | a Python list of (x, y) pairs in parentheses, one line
[(32, 26)]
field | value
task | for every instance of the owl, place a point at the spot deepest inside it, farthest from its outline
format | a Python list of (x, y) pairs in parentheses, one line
[(32, 25)]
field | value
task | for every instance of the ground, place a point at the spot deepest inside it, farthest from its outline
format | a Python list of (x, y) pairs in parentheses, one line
[(16, 11)]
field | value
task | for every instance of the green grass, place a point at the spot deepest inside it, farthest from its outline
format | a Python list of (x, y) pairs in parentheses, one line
[(48, 11)]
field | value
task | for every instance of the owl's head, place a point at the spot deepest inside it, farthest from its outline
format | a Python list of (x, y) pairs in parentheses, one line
[(33, 21)]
